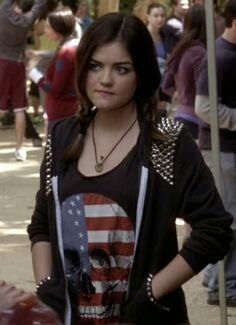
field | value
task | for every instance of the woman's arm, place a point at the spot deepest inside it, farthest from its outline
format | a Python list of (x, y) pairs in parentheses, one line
[(28, 18), (38, 231), (199, 203), (171, 277), (42, 260)]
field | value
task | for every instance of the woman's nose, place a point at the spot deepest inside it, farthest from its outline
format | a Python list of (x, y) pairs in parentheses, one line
[(106, 78)]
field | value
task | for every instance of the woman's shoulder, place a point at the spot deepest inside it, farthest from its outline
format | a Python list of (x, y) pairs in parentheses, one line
[(194, 52), (69, 48), (72, 43), (197, 48), (177, 146), (65, 128), (169, 127), (163, 150)]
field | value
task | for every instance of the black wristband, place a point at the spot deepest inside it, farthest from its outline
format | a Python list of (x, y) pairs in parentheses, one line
[(151, 298)]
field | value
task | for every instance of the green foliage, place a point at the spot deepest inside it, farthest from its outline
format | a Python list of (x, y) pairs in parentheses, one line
[(126, 6), (221, 5)]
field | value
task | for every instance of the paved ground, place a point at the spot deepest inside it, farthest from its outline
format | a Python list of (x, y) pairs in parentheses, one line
[(18, 184)]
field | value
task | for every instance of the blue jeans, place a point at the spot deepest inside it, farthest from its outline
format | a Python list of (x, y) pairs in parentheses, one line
[(228, 181)]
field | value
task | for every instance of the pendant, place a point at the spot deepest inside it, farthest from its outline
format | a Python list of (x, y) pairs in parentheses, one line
[(99, 167)]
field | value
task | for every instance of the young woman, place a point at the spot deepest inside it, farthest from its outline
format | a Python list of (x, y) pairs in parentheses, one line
[(184, 66), (58, 84), (164, 38), (83, 15), (113, 181)]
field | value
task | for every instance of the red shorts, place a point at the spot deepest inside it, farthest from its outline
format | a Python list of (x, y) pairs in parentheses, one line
[(12, 86)]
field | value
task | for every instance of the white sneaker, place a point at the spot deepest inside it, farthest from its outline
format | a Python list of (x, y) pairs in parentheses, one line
[(20, 154)]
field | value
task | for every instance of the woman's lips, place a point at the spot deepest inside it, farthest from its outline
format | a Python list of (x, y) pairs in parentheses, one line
[(104, 93)]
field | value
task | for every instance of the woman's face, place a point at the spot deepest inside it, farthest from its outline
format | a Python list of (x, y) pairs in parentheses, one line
[(83, 8), (111, 80), (51, 34), (156, 18)]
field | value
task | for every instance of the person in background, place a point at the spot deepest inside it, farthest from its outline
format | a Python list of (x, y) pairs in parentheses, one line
[(44, 56), (226, 79), (219, 19), (183, 68), (140, 9), (113, 181), (83, 16), (16, 19), (58, 84), (38, 43), (164, 38), (180, 7), (73, 5)]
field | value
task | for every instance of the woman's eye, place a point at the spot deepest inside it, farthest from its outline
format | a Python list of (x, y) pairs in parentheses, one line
[(121, 70), (94, 66)]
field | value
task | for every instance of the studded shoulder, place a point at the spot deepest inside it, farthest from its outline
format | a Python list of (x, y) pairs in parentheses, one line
[(48, 162), (162, 153)]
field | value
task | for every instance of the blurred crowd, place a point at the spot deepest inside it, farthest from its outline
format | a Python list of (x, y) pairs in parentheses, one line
[(41, 48), (44, 36)]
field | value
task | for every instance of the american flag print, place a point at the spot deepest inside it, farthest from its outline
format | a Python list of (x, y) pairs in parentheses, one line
[(103, 235)]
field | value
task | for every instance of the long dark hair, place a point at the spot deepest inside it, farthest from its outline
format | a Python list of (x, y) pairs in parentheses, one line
[(134, 35), (194, 30)]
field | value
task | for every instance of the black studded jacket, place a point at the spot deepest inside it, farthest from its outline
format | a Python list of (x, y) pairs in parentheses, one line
[(174, 183)]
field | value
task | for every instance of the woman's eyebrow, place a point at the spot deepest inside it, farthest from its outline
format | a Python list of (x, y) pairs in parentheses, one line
[(115, 63)]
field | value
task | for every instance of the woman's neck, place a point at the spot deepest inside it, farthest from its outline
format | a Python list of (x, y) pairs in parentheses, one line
[(155, 33), (117, 119)]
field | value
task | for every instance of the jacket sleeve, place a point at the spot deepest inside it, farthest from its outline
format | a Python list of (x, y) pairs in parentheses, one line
[(199, 203), (38, 229)]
